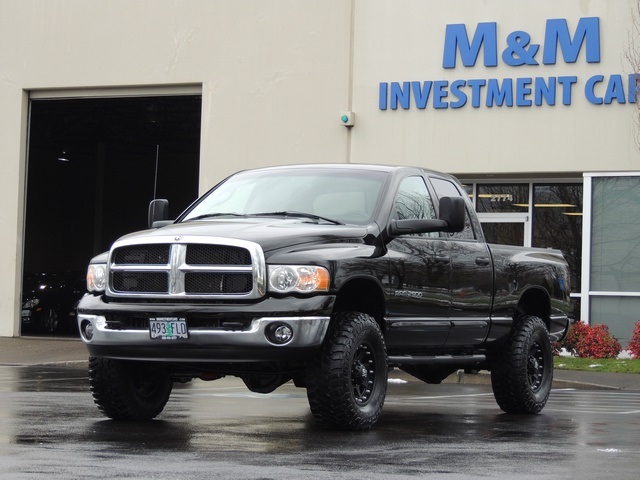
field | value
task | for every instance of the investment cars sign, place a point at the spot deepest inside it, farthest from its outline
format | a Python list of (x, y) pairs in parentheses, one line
[(518, 49)]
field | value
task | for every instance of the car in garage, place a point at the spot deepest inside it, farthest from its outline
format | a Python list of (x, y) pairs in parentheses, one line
[(49, 301)]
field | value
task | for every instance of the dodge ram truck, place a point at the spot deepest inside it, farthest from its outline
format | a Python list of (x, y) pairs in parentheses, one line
[(327, 276)]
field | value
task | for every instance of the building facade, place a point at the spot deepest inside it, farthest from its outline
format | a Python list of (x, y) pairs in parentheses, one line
[(531, 104)]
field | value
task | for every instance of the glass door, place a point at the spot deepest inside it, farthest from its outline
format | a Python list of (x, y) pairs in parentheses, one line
[(503, 210), (506, 228)]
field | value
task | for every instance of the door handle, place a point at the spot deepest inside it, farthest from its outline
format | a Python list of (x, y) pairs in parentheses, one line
[(483, 261), (442, 258)]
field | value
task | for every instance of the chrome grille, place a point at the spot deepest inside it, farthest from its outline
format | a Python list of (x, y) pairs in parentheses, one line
[(142, 255), (147, 282), (209, 282), (188, 269), (227, 255)]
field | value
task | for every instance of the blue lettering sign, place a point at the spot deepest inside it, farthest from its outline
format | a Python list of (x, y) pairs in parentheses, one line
[(523, 90), (589, 89), (439, 93), (400, 94), (517, 53), (567, 83), (456, 39), (519, 50), (383, 95), (497, 94), (634, 87), (456, 91), (615, 90), (476, 91), (545, 90), (421, 95), (557, 34)]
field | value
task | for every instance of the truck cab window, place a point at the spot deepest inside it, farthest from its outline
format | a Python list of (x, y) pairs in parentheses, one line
[(413, 202), (445, 188)]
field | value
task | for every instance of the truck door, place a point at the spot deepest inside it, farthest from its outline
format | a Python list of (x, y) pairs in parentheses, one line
[(420, 271), (471, 277)]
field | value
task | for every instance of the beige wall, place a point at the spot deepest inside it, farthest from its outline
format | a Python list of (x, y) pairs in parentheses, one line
[(403, 41), (275, 75)]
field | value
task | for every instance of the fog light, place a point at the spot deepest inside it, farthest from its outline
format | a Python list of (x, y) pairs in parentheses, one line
[(280, 333), (87, 330)]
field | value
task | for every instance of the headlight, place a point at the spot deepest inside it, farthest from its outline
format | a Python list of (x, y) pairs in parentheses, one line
[(97, 277), (298, 278), (31, 303)]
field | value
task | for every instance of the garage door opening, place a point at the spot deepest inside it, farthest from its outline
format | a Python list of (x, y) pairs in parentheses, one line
[(93, 166)]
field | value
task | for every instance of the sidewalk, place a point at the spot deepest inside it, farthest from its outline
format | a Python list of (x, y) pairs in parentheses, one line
[(23, 351), (69, 351)]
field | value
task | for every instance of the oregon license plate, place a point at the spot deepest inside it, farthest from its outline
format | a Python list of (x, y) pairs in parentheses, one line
[(168, 328)]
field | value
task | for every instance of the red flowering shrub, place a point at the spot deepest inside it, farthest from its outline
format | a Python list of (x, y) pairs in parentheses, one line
[(634, 344), (598, 343), (576, 332), (591, 341)]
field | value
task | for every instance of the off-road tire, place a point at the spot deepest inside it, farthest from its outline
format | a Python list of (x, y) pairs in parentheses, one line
[(522, 368), (125, 390), (347, 385)]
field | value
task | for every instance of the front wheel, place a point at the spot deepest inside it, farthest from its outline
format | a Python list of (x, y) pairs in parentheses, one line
[(347, 387), (125, 390), (49, 320), (522, 370)]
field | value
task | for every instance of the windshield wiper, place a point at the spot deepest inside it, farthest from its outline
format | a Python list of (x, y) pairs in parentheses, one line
[(289, 213), (213, 215)]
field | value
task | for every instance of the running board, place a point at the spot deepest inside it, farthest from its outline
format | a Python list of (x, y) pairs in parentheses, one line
[(462, 361)]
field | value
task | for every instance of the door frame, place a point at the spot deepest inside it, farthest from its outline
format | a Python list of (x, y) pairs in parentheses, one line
[(523, 218)]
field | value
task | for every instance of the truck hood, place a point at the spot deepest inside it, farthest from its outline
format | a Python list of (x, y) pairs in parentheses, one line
[(271, 234)]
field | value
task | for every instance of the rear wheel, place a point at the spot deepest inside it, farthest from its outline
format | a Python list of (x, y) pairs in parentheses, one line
[(522, 371), (129, 390), (347, 387)]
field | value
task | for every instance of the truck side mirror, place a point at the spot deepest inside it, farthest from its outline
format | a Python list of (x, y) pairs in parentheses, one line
[(158, 212), (452, 211), (451, 219)]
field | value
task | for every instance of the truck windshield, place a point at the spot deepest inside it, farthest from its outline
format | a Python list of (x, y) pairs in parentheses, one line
[(338, 196)]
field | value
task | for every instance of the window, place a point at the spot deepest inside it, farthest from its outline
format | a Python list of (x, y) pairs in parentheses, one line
[(445, 188), (615, 257), (350, 197), (413, 202), (557, 223), (508, 198), (611, 289)]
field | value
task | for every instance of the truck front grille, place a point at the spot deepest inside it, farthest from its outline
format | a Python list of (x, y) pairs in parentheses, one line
[(225, 269), (143, 282)]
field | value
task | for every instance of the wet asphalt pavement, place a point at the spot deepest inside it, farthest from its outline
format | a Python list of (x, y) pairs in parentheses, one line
[(50, 428)]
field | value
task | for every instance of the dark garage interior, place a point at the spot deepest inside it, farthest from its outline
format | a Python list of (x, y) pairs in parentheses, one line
[(94, 164)]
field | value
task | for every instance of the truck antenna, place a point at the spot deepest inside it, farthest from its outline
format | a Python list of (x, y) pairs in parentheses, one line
[(155, 180)]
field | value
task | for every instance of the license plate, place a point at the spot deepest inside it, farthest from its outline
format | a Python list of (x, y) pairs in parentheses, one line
[(168, 328)]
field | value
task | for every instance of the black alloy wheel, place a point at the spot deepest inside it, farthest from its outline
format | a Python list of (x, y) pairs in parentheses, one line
[(347, 385)]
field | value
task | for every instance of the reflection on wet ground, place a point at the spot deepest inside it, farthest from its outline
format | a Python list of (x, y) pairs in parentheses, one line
[(50, 426)]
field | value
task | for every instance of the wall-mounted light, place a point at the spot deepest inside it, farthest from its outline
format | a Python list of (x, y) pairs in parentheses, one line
[(348, 119)]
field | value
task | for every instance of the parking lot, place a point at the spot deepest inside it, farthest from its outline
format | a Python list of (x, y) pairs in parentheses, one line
[(50, 428)]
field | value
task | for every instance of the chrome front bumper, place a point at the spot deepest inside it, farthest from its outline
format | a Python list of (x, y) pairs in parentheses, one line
[(205, 345)]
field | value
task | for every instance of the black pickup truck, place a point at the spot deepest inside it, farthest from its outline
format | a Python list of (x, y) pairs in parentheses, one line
[(324, 275)]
